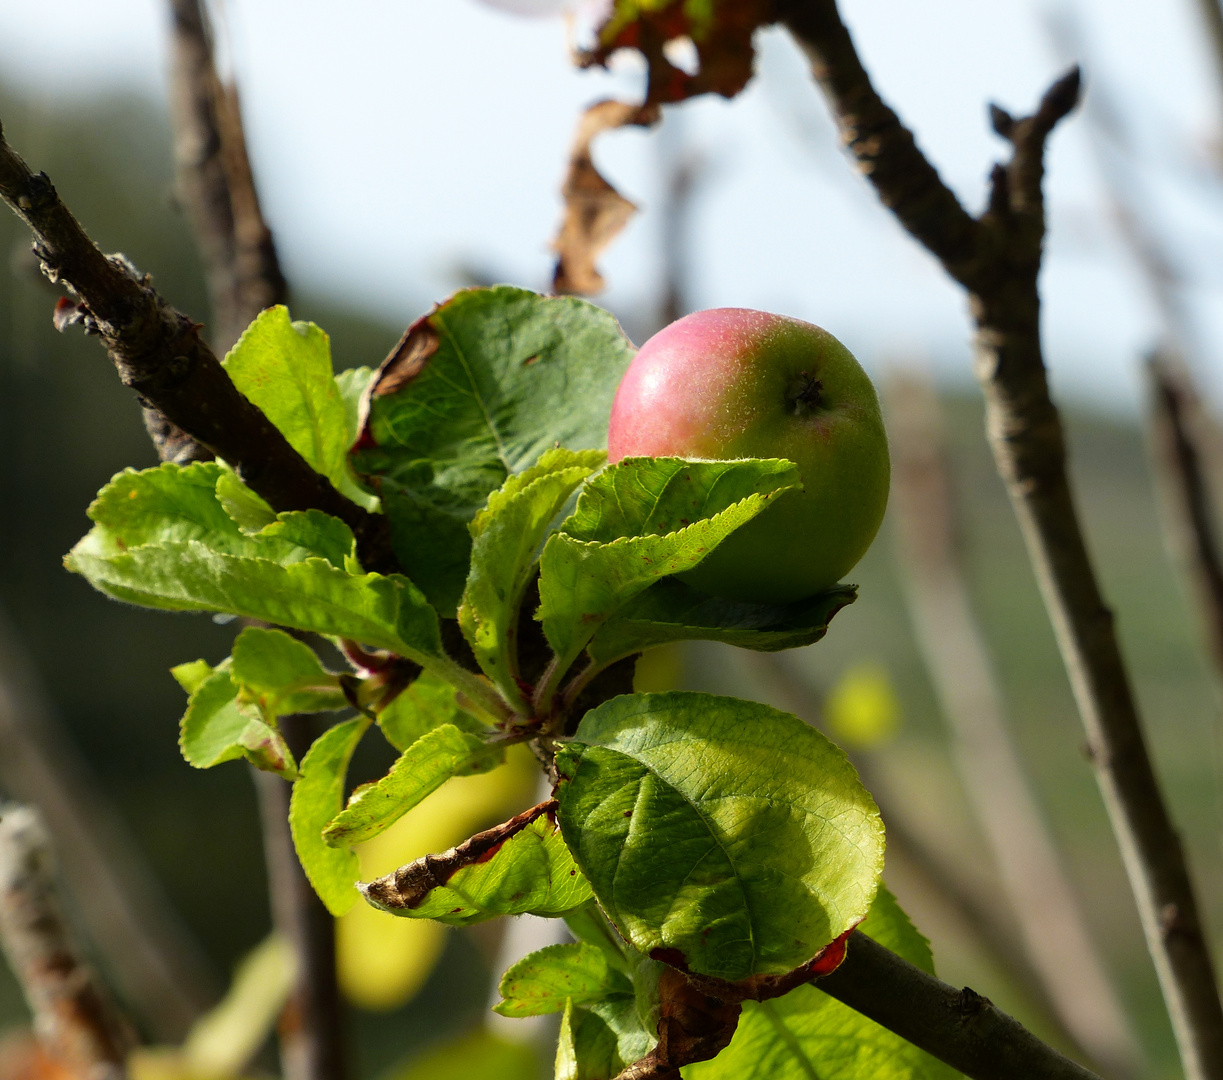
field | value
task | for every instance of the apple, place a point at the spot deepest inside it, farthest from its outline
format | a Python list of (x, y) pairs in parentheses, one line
[(734, 383)]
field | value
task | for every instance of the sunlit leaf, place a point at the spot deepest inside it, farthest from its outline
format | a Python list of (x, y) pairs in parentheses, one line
[(317, 798), (217, 728), (428, 703), (640, 520), (283, 675), (518, 868), (717, 833), (421, 769), (507, 536), (542, 981)]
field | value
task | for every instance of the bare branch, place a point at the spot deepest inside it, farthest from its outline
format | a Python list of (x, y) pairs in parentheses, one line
[(72, 1014), (960, 1027), (1177, 424), (215, 184), (1000, 272), (159, 354), (1044, 903)]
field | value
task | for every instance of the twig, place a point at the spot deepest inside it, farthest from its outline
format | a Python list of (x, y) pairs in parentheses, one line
[(997, 259), (72, 1014), (960, 1027), (1177, 426), (311, 1028), (215, 184), (157, 967), (974, 907), (1212, 15), (1048, 912), (159, 354)]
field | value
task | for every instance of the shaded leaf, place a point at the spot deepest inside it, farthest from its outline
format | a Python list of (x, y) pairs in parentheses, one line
[(595, 212), (421, 769), (640, 520), (516, 868), (217, 728), (428, 703), (317, 798), (476, 390), (719, 835), (542, 981), (353, 385), (807, 1033), (669, 610), (599, 1040), (507, 535)]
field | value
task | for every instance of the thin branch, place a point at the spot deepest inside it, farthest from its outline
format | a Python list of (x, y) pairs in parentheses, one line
[(215, 184), (157, 967), (159, 354), (1044, 903), (967, 1031), (997, 259), (73, 1016), (311, 1027), (1177, 424)]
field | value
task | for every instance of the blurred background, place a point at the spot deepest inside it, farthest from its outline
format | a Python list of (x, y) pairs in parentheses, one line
[(404, 149)]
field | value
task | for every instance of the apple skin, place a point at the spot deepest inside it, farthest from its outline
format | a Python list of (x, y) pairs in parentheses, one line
[(734, 383)]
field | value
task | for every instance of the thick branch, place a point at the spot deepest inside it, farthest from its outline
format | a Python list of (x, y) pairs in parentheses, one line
[(159, 354), (72, 1014), (960, 1027), (1029, 449)]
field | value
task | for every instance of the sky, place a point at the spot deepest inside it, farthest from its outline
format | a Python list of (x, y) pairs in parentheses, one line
[(398, 141)]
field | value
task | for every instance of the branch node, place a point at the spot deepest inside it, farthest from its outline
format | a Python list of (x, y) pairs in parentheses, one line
[(1002, 121)]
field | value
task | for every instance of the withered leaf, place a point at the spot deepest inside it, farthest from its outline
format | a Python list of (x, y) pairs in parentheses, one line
[(595, 212)]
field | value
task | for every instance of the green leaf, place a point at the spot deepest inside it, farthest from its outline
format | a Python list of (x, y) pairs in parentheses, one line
[(352, 385), (729, 835), (506, 536), (807, 1033), (419, 771), (247, 510), (162, 538), (542, 981), (216, 727), (600, 1040), (282, 675), (317, 798), (480, 388), (640, 520), (669, 610), (428, 703), (386, 612), (284, 367), (512, 869)]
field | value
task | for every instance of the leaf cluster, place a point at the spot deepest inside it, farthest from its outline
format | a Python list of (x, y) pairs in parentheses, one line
[(705, 850)]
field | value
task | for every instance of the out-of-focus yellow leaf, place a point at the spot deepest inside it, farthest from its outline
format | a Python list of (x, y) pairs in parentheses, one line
[(863, 709), (659, 670), (383, 961), (478, 1055)]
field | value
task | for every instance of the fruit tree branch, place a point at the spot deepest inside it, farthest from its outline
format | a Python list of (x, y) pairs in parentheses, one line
[(962, 1028), (215, 184), (73, 1016), (997, 259), (1049, 914), (159, 354)]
